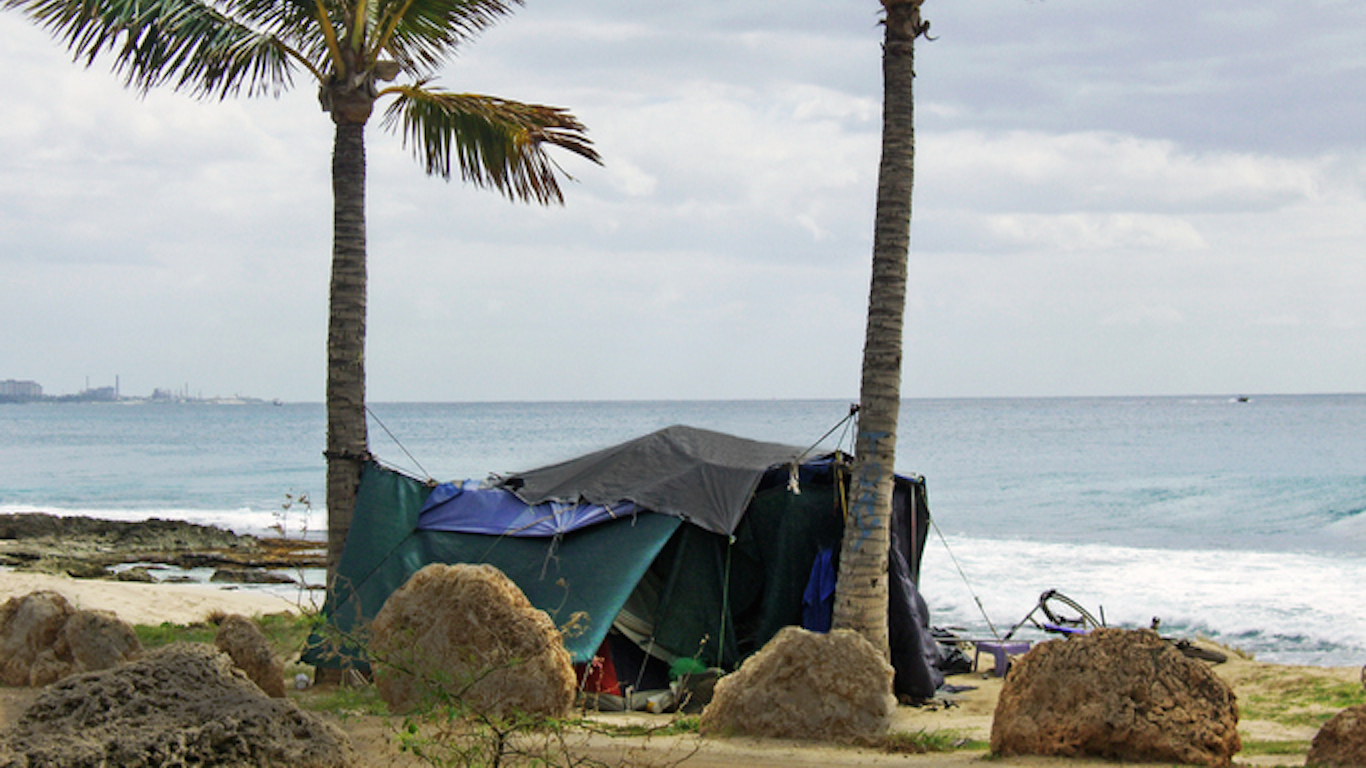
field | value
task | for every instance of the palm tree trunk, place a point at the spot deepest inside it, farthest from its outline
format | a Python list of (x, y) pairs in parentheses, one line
[(347, 442), (861, 590)]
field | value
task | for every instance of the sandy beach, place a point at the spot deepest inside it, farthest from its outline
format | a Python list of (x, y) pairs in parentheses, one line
[(966, 714), (139, 603)]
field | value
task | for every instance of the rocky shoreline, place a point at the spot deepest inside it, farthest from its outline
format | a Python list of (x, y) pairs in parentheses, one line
[(90, 548)]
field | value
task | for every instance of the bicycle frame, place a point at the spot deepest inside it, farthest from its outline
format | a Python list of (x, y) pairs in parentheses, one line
[(1056, 622)]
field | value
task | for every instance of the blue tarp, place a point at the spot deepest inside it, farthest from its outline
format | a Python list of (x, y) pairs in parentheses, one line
[(469, 507), (589, 571)]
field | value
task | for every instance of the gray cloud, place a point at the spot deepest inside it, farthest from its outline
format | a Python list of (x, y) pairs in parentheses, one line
[(1109, 200)]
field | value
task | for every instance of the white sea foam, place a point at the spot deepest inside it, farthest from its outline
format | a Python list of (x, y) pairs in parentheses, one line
[(1286, 607), (1283, 607), (298, 522)]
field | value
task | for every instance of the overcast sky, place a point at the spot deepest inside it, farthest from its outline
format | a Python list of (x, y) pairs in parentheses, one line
[(1111, 198)]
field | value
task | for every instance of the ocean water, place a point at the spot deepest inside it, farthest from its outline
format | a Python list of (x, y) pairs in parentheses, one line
[(1244, 522)]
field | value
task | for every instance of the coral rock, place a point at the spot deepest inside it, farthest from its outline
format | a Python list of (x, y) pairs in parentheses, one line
[(183, 704), (44, 639), (806, 685), (243, 641), (1119, 694), (1341, 742), (467, 632), (99, 640)]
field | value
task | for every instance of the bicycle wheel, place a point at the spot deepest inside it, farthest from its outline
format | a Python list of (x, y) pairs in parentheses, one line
[(1084, 620)]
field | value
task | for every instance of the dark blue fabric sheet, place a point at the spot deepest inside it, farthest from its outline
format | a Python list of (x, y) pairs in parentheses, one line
[(818, 601), (469, 507)]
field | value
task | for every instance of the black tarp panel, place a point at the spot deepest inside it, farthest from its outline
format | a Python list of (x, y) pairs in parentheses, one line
[(704, 477)]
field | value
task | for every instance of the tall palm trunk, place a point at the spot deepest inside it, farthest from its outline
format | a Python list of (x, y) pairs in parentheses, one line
[(347, 442), (349, 46), (861, 590)]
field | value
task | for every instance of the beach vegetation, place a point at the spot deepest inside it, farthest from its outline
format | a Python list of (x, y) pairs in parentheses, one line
[(455, 728), (286, 632), (451, 734), (1253, 747), (357, 53), (1306, 699), (165, 633), (679, 725), (282, 524), (925, 741), (346, 701)]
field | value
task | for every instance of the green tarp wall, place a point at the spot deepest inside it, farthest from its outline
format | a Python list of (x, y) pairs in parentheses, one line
[(592, 570), (720, 598)]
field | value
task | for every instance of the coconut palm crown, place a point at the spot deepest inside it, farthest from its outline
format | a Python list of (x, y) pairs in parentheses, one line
[(351, 49)]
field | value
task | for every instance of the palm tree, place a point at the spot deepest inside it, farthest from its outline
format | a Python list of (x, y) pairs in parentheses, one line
[(861, 589), (349, 47)]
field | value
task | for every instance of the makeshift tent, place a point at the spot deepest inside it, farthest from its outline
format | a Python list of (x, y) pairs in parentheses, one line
[(690, 543)]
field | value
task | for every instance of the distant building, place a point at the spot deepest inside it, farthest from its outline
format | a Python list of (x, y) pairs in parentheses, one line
[(101, 394), (12, 388)]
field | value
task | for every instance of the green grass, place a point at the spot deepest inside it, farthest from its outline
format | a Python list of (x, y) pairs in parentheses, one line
[(921, 742), (680, 725), (347, 701), (1274, 748), (1303, 701), (286, 632), (683, 724), (166, 633)]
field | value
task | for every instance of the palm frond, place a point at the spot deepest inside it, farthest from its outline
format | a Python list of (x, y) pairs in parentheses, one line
[(494, 142), (422, 34), (296, 22), (363, 12), (187, 43)]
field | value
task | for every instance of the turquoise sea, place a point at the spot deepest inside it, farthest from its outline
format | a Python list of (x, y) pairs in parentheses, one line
[(1241, 521)]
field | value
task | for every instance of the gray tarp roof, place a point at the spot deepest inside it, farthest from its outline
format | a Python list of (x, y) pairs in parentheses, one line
[(704, 477)]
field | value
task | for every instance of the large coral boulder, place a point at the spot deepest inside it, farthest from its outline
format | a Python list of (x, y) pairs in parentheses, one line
[(43, 638), (183, 704), (466, 634), (98, 640), (1120, 694), (29, 625), (1341, 742), (246, 644), (806, 685)]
